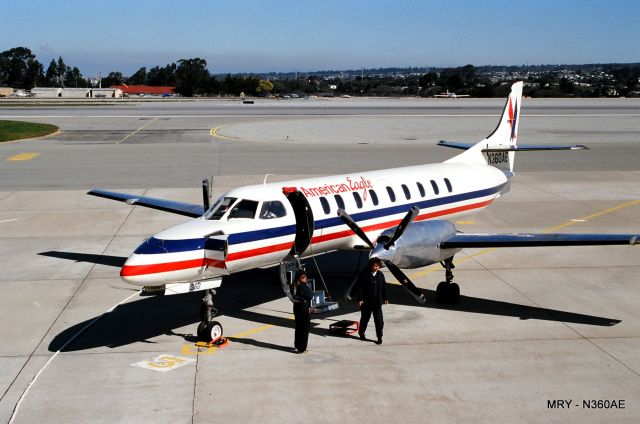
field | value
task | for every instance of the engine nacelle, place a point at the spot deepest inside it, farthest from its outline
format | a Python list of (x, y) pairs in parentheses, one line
[(418, 246)]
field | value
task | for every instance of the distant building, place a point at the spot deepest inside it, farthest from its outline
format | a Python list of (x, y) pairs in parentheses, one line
[(145, 90), (75, 93)]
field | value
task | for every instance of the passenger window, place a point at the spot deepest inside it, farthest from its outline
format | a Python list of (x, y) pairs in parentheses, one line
[(436, 190), (358, 199), (325, 205), (374, 197), (407, 193), (244, 209), (421, 189), (339, 201), (221, 207), (392, 195), (448, 184), (272, 209)]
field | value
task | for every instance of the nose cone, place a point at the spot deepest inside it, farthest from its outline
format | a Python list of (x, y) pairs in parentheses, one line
[(383, 254), (156, 262)]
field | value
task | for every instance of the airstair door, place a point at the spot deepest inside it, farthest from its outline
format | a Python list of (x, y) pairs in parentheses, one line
[(304, 222)]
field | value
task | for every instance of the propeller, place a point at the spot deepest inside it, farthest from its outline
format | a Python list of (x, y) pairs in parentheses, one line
[(344, 216), (408, 218), (397, 273), (404, 280), (206, 194)]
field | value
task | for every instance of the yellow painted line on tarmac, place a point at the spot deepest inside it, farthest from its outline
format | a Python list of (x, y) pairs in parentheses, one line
[(252, 331), (214, 133), (589, 217), (138, 130), (23, 156)]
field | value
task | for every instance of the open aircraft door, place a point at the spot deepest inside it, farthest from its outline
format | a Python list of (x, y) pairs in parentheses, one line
[(304, 220), (215, 256)]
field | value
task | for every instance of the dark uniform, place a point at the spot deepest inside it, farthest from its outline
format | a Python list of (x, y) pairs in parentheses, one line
[(301, 303), (372, 292)]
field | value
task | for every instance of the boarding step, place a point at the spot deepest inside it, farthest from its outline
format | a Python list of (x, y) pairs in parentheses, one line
[(319, 305)]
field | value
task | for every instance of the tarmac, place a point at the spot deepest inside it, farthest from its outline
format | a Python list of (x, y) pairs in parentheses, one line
[(534, 325)]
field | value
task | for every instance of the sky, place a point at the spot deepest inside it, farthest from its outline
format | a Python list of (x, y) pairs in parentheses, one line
[(308, 35)]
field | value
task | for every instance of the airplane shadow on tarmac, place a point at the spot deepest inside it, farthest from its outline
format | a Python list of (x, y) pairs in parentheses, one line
[(141, 320)]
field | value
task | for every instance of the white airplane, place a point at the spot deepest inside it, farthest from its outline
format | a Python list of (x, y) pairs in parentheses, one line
[(407, 211), (450, 95)]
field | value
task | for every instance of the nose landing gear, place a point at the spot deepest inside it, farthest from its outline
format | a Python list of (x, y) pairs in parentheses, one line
[(209, 331)]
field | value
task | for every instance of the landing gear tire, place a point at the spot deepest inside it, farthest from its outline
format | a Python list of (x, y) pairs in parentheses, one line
[(447, 293), (209, 332), (441, 292)]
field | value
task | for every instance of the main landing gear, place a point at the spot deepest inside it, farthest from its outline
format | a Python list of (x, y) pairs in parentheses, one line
[(447, 291), (209, 331)]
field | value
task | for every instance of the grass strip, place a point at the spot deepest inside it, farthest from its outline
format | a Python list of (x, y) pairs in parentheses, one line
[(18, 130)]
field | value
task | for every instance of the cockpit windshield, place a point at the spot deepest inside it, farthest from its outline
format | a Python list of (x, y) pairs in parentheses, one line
[(244, 209), (220, 208)]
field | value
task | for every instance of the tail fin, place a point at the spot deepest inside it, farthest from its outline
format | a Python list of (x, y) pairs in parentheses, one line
[(500, 147)]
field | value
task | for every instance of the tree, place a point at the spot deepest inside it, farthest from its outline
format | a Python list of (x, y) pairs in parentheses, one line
[(61, 71), (140, 77), (19, 68), (264, 87), (73, 78), (114, 78), (51, 77), (162, 76), (192, 76)]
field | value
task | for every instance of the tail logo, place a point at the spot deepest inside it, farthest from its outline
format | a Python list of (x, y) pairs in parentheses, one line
[(513, 119)]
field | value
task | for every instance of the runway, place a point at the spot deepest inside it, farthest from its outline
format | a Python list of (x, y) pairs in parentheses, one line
[(533, 325)]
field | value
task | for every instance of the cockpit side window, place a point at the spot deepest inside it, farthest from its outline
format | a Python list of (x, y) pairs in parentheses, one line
[(272, 209), (244, 209), (220, 208)]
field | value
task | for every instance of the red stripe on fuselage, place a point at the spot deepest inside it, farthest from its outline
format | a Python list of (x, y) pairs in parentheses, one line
[(389, 224), (234, 256), (133, 270)]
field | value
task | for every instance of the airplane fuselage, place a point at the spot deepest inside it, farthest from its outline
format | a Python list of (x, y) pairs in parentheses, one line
[(260, 225)]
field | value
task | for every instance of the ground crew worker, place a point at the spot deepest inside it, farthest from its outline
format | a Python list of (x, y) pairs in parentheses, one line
[(302, 295), (371, 295)]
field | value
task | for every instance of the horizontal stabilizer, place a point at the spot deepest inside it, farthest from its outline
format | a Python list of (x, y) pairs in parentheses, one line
[(180, 208), (518, 148), (455, 144), (532, 240)]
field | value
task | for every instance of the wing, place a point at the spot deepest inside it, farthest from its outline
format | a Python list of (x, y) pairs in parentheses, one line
[(180, 208), (530, 240)]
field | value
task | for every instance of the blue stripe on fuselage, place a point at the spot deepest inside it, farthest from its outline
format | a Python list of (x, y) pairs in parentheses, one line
[(153, 245)]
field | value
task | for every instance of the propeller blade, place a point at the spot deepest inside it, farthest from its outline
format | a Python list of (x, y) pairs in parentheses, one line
[(206, 194), (404, 280), (354, 227), (408, 218)]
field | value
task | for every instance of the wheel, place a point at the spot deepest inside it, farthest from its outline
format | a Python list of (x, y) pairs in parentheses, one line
[(442, 292), (213, 331), (454, 293), (202, 331)]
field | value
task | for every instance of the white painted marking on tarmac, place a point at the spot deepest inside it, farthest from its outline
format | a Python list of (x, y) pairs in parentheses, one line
[(37, 305), (330, 115), (9, 220), (578, 220), (75, 336), (164, 363)]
